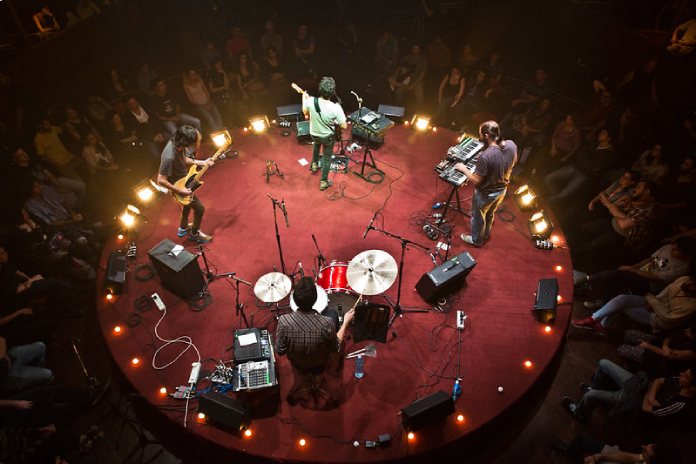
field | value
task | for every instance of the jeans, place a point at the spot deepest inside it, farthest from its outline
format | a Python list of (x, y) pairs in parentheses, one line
[(170, 127), (483, 206), (77, 191), (616, 282), (198, 210), (326, 144), (211, 116), (606, 375), (564, 182), (632, 305), (25, 368)]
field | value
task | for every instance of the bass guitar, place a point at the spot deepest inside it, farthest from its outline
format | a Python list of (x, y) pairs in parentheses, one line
[(192, 179), (336, 128)]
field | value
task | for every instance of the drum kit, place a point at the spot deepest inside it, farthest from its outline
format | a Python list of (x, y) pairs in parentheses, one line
[(340, 285)]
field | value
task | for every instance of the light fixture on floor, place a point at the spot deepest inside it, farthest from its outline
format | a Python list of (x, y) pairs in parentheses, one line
[(147, 191), (525, 198), (540, 225), (420, 122), (221, 138), (259, 124), (130, 217)]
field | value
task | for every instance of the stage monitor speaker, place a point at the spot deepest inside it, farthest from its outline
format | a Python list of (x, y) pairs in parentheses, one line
[(392, 112), (289, 111), (302, 128), (115, 279), (224, 410), (426, 410), (546, 300), (446, 278), (180, 273)]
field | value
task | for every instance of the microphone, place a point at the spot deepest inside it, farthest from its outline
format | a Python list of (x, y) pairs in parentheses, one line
[(356, 96), (299, 263), (369, 226), (285, 212)]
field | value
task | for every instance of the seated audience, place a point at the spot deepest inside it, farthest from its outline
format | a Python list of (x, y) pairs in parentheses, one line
[(45, 22), (51, 149), (98, 111), (97, 157), (449, 95), (660, 356), (271, 38), (565, 140), (139, 121), (529, 129), (683, 38), (408, 79), (386, 53), (169, 112), (199, 96), (593, 451), (650, 165), (146, 78), (21, 367), (273, 68), (237, 44), (303, 46), (209, 55), (76, 129), (534, 92), (249, 85), (672, 307)]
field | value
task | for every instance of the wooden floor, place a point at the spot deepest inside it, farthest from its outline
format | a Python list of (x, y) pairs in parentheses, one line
[(521, 439)]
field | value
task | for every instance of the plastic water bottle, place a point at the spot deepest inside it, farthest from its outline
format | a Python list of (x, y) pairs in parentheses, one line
[(359, 367), (438, 205)]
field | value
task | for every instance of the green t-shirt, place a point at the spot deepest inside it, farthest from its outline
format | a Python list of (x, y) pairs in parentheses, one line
[(323, 124)]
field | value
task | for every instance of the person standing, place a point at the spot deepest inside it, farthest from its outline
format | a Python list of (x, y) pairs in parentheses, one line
[(491, 176), (324, 116), (177, 157)]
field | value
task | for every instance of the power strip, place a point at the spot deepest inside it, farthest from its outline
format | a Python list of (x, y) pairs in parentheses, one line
[(195, 372), (461, 318)]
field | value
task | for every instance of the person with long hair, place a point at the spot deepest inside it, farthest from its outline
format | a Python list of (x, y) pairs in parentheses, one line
[(248, 83), (449, 95), (199, 96)]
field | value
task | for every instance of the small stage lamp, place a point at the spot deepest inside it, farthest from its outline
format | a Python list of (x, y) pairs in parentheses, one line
[(147, 191), (221, 138), (525, 198), (129, 216), (540, 225), (259, 124), (421, 122)]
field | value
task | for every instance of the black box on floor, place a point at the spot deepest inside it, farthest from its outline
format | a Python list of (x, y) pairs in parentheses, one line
[(224, 410), (426, 410), (115, 279), (180, 274), (302, 129), (546, 300), (446, 278)]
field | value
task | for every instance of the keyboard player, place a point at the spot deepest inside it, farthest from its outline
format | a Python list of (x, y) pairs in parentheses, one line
[(490, 176)]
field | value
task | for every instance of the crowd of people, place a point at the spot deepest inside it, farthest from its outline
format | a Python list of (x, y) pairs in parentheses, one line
[(625, 201)]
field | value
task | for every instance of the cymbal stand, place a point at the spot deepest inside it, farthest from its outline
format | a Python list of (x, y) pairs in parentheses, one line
[(321, 260), (239, 307), (398, 310), (279, 204), (209, 275)]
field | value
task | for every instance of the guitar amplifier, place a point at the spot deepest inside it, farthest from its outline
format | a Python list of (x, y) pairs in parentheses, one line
[(302, 129), (546, 300), (180, 274), (446, 278)]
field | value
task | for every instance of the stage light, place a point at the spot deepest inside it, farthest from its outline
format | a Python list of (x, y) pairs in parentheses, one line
[(135, 361), (460, 418), (434, 129), (559, 298), (118, 330), (119, 237), (555, 238), (221, 138), (147, 191), (525, 198), (302, 442), (559, 268), (540, 225), (548, 329), (528, 364), (200, 417), (129, 216), (110, 297), (421, 122), (163, 391), (411, 436), (259, 124), (248, 433)]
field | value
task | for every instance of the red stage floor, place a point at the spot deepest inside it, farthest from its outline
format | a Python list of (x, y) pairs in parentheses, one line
[(502, 334)]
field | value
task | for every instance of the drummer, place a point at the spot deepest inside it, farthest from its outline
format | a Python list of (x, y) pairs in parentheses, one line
[(306, 336)]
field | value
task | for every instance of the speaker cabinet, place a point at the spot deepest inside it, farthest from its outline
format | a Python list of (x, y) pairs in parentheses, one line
[(224, 410), (426, 410), (302, 129), (180, 274), (546, 301), (115, 279), (446, 278)]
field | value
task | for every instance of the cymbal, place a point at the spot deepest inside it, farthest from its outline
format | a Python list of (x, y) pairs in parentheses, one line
[(272, 287), (372, 272)]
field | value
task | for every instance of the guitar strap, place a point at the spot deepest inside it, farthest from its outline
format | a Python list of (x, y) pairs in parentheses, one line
[(318, 110)]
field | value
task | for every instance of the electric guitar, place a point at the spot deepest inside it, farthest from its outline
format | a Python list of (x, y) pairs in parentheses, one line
[(336, 127), (192, 179)]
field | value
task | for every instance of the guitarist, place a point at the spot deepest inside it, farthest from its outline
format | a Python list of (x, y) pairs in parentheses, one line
[(325, 117), (177, 157)]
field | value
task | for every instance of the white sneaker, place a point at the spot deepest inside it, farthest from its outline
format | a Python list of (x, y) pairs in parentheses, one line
[(468, 239)]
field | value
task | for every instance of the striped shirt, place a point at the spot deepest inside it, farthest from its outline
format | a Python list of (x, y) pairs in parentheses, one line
[(308, 338), (671, 401)]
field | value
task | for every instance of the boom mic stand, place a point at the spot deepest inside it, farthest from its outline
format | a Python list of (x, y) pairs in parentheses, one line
[(321, 260), (208, 274), (398, 310), (281, 205)]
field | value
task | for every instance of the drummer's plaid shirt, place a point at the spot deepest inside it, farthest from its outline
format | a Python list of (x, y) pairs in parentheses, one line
[(308, 338)]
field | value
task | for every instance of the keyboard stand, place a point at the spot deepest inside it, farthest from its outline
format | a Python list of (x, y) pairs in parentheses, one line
[(457, 207), (367, 152)]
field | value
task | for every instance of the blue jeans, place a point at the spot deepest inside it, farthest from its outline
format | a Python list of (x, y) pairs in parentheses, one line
[(211, 116), (170, 126), (633, 305), (326, 145), (483, 206), (564, 182), (25, 368), (607, 374)]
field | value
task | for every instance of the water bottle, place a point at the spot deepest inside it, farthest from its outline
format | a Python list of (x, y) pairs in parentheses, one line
[(438, 205), (359, 365)]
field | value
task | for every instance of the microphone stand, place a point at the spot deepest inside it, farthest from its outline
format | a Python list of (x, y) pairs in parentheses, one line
[(276, 204), (239, 307), (321, 260), (398, 310), (208, 274)]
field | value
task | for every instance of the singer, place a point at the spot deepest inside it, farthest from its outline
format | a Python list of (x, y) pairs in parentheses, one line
[(326, 119), (177, 156), (491, 176)]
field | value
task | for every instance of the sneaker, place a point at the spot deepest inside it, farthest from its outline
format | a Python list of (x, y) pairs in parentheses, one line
[(324, 184), (200, 237), (570, 406), (468, 239), (586, 323), (600, 329), (593, 304), (182, 232), (314, 167), (579, 278)]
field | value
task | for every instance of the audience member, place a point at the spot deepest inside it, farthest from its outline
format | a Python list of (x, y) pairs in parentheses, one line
[(21, 367), (98, 158), (271, 38), (249, 85), (146, 78), (51, 149), (46, 22), (660, 356), (303, 45), (98, 111), (449, 95), (683, 38), (139, 120), (650, 165), (117, 89), (220, 87), (438, 56), (565, 140), (594, 451), (237, 44), (199, 96), (209, 55), (169, 112), (273, 69), (76, 128), (467, 58), (386, 53), (530, 95), (408, 80)]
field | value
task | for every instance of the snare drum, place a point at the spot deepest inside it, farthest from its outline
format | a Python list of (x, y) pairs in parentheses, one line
[(332, 278)]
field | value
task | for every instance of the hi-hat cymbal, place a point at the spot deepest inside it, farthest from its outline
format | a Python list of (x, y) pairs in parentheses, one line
[(272, 287), (372, 272)]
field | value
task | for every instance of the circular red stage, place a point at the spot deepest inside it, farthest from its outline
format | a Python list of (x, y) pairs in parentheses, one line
[(502, 346)]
